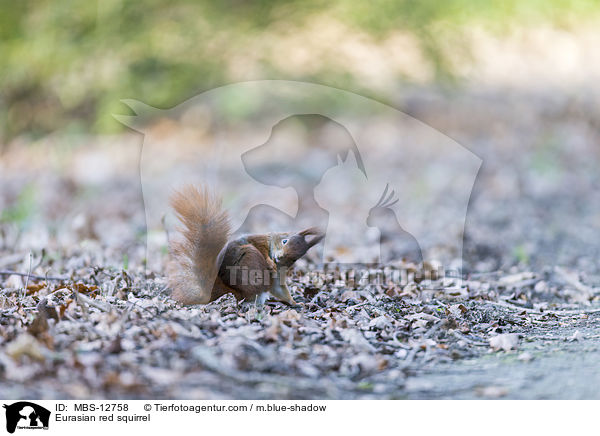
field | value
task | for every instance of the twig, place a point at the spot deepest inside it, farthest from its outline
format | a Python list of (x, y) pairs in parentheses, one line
[(28, 275), (356, 306), (33, 276), (105, 307)]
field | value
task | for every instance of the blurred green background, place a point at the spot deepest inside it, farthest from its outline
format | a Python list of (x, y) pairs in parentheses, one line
[(65, 65)]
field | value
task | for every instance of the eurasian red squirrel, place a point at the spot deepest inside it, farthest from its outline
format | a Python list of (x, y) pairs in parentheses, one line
[(203, 266)]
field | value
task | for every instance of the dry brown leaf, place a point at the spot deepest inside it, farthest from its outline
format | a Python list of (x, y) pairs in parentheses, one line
[(85, 289), (33, 288), (40, 323)]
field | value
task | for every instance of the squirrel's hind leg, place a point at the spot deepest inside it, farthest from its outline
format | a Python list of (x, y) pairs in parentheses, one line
[(280, 291)]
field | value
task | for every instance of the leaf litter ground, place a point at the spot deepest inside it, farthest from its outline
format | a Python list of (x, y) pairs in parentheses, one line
[(523, 323)]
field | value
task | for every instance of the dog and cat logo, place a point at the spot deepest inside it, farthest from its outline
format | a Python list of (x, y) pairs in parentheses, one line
[(379, 182), (26, 415)]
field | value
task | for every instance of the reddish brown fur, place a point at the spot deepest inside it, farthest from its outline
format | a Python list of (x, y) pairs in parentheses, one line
[(261, 242), (193, 267), (251, 258), (201, 263)]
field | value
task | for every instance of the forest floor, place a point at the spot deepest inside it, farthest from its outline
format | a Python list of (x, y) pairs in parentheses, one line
[(523, 322)]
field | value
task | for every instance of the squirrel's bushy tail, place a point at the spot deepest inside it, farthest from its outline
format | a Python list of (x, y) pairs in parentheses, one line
[(193, 265)]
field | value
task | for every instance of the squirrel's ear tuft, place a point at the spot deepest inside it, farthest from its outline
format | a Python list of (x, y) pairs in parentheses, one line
[(313, 231), (310, 231)]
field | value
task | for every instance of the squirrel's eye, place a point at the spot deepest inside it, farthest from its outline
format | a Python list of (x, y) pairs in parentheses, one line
[(284, 241)]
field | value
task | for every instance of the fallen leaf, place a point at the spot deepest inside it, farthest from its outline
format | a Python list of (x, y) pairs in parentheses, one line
[(26, 345), (505, 341), (40, 323)]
